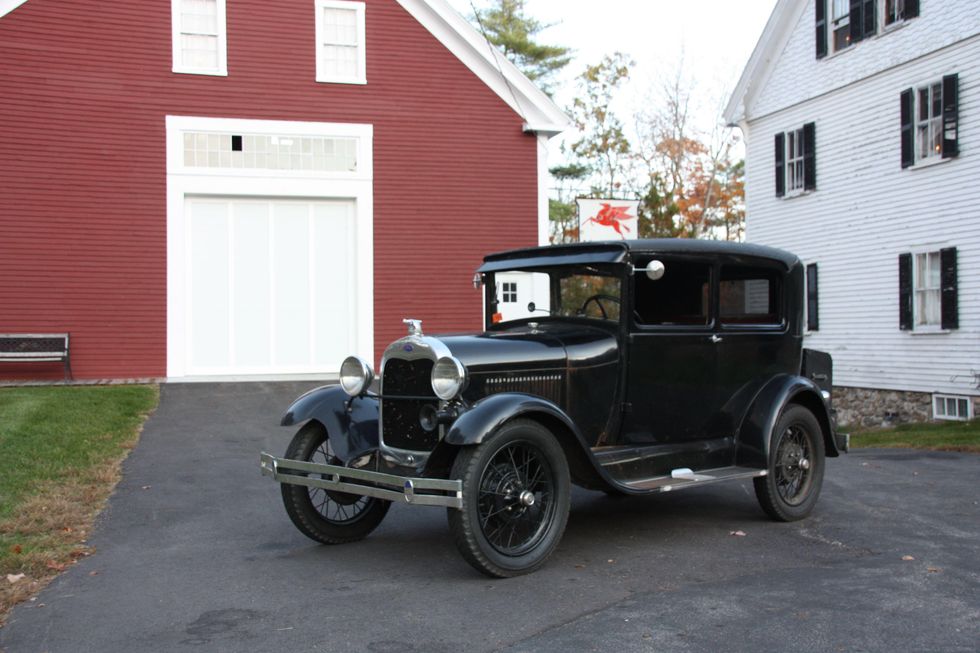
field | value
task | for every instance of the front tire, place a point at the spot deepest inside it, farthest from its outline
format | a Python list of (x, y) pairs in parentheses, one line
[(323, 515), (516, 493), (795, 473)]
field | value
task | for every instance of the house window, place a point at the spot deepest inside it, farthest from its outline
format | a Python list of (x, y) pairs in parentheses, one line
[(930, 117), (952, 407), (340, 44), (928, 290), (796, 160), (897, 11), (509, 292), (840, 23), (199, 37)]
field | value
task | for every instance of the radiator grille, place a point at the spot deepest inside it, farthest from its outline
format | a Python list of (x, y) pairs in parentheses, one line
[(406, 387)]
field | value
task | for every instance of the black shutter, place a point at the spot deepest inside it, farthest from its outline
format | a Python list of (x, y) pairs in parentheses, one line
[(821, 23), (950, 116), (870, 26), (905, 292), (908, 128), (856, 18), (780, 164), (812, 305), (911, 9), (947, 276), (810, 156)]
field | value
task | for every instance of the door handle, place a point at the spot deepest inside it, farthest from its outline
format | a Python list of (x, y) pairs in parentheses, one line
[(715, 338)]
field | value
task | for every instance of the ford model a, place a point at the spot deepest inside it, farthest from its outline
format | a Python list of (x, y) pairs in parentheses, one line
[(630, 367)]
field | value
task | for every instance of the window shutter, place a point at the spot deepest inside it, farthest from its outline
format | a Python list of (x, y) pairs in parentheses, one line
[(812, 305), (911, 9), (908, 128), (870, 26), (856, 18), (949, 310), (821, 24), (810, 156), (780, 164), (905, 292), (950, 116)]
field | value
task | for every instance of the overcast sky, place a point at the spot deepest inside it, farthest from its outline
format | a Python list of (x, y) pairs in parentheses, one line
[(713, 38)]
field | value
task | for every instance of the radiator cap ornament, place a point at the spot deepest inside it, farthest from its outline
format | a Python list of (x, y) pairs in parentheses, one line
[(414, 326)]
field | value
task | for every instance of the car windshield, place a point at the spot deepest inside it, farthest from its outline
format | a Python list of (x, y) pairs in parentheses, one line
[(568, 292)]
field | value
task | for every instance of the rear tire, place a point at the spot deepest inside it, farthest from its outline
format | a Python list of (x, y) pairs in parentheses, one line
[(790, 489), (326, 516), (516, 493)]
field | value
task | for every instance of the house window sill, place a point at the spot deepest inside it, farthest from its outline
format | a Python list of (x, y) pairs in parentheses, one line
[(929, 331), (922, 164), (793, 194)]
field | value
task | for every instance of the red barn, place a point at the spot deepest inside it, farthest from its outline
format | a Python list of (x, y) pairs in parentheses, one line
[(245, 188)]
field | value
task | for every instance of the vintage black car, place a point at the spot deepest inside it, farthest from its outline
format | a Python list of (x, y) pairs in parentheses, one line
[(642, 366)]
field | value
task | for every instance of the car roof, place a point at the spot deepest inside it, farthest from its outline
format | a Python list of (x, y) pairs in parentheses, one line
[(617, 251)]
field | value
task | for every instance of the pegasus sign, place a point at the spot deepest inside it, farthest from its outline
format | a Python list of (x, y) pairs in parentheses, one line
[(605, 219)]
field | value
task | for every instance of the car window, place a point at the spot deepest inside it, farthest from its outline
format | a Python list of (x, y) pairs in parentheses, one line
[(749, 296), (679, 297), (589, 295)]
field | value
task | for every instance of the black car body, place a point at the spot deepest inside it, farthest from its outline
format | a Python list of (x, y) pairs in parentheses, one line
[(645, 366)]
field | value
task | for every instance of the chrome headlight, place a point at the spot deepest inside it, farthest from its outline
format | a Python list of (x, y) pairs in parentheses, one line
[(448, 378), (355, 375)]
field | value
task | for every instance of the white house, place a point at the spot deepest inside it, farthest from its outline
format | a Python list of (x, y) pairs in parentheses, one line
[(862, 127)]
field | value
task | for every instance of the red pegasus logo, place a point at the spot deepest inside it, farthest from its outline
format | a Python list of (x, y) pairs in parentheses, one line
[(612, 216)]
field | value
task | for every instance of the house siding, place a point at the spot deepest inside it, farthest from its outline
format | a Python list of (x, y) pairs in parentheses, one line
[(82, 159), (866, 209)]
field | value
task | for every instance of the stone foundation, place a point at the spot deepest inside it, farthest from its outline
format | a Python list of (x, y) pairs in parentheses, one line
[(867, 408)]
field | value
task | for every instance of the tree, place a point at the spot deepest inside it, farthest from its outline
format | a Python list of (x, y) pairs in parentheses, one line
[(602, 144), (506, 25)]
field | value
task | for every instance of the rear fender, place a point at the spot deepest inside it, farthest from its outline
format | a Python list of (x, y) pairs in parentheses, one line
[(351, 422), (757, 429)]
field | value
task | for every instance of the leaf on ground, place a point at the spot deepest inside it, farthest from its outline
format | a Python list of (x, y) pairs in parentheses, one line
[(908, 558), (53, 564), (16, 549), (933, 570), (14, 578), (737, 533)]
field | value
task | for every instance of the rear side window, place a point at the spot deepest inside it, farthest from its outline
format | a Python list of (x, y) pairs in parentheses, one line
[(679, 297), (749, 295)]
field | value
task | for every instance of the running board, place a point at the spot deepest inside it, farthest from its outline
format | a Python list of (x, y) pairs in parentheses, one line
[(682, 478)]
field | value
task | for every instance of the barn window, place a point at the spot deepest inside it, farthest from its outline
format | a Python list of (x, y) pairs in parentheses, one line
[(199, 38), (270, 152), (509, 292), (796, 161), (340, 43)]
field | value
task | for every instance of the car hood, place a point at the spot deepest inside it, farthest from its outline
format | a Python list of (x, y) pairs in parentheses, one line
[(551, 345)]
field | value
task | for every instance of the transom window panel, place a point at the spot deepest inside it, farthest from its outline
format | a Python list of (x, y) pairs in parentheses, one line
[(266, 152), (340, 30), (199, 36)]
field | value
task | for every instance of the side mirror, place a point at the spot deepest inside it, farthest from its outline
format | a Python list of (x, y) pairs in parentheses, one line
[(531, 306), (655, 270), (477, 280)]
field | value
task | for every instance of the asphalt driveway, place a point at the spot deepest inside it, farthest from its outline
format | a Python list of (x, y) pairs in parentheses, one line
[(196, 552)]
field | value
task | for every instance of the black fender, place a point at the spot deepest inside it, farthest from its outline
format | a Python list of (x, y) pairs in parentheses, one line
[(351, 422), (756, 431), (483, 418)]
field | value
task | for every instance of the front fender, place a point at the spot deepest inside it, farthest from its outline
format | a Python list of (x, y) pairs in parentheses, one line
[(487, 415), (351, 422), (756, 431)]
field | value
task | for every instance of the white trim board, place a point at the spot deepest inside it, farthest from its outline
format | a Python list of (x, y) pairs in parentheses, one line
[(183, 182), (6, 6)]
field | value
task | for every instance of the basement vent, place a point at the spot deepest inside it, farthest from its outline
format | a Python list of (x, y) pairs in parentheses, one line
[(265, 152)]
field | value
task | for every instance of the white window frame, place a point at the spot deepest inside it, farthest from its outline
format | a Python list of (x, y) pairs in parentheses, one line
[(321, 75), (932, 125), (944, 414), (178, 66), (898, 7), (795, 162), (927, 292), (836, 23)]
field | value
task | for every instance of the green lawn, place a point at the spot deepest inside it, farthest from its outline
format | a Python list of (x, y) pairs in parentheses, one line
[(61, 447), (944, 436)]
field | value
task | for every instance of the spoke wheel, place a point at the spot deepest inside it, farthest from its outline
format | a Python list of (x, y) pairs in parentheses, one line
[(796, 461), (324, 515), (516, 494)]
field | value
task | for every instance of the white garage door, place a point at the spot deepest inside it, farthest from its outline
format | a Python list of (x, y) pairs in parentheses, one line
[(269, 285)]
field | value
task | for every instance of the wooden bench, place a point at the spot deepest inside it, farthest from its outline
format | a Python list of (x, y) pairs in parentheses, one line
[(35, 348)]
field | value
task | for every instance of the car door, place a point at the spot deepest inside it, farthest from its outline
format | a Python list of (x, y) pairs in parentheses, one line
[(670, 394)]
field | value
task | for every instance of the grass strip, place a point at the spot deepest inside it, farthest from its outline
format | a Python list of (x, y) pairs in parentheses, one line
[(61, 448), (936, 436)]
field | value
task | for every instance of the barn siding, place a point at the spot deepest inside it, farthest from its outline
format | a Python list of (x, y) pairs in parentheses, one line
[(82, 163), (867, 209)]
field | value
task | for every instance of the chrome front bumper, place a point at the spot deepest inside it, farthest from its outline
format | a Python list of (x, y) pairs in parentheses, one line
[(363, 482)]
